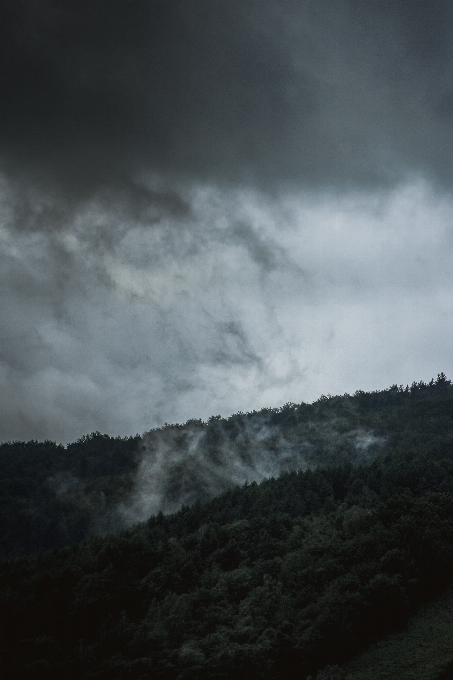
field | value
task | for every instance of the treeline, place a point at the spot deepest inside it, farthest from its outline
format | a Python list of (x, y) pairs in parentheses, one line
[(274, 580), (54, 496)]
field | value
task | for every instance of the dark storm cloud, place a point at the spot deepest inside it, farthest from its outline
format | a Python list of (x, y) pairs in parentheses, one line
[(214, 205), (338, 93), (34, 209)]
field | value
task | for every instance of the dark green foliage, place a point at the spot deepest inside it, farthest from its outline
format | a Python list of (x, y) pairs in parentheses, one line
[(264, 594), (283, 579), (51, 496)]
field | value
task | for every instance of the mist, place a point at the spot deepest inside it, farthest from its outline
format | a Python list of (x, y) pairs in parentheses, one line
[(183, 464)]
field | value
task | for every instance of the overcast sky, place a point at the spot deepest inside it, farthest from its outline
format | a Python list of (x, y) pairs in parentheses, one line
[(209, 206)]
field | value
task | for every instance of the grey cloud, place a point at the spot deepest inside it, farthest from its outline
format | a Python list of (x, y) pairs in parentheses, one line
[(338, 94), (233, 345), (181, 321), (262, 253), (79, 336), (34, 208), (215, 205), (22, 350)]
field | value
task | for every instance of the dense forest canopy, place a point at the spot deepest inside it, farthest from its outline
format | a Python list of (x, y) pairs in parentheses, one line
[(277, 577)]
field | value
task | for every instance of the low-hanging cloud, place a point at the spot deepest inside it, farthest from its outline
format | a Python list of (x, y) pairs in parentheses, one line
[(198, 461)]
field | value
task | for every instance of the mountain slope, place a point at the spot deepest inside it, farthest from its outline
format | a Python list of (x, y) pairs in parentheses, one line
[(273, 580), (422, 651), (53, 496)]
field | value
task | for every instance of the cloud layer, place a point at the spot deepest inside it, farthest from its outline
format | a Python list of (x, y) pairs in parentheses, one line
[(208, 207), (94, 93)]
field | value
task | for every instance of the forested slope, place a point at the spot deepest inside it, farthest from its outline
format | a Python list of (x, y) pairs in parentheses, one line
[(52, 496), (272, 580), (423, 650)]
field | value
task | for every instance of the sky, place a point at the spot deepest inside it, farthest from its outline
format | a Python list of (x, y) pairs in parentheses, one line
[(213, 206)]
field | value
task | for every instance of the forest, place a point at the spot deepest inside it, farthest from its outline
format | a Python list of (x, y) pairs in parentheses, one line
[(275, 544)]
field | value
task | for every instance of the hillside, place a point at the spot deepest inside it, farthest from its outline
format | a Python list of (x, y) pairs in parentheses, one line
[(274, 580), (52, 496), (422, 651)]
